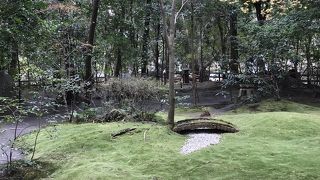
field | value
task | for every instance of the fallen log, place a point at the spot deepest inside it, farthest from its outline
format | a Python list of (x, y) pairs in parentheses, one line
[(122, 131)]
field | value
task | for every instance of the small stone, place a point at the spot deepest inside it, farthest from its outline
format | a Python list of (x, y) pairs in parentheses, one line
[(205, 114)]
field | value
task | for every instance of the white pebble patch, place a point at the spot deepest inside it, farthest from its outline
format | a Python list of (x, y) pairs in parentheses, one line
[(197, 141)]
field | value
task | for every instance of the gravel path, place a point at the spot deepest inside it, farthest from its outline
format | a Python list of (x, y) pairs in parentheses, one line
[(199, 141), (26, 126), (217, 112)]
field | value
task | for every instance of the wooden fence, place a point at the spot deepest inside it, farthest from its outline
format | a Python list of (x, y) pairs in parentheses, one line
[(314, 79)]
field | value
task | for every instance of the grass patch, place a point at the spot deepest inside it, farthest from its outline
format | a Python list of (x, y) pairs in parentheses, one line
[(270, 145)]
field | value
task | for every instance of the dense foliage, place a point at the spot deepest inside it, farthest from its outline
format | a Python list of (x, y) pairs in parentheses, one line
[(67, 45), (51, 36)]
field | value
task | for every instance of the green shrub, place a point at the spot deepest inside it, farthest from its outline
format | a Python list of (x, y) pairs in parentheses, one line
[(134, 90), (131, 99)]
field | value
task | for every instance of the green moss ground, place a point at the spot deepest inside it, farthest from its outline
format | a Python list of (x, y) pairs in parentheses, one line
[(271, 105), (270, 145)]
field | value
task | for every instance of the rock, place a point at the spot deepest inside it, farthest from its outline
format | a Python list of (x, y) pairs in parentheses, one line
[(7, 85), (205, 114)]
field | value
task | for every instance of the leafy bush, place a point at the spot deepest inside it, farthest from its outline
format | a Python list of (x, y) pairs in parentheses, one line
[(132, 99), (115, 115), (134, 90), (87, 115), (265, 85)]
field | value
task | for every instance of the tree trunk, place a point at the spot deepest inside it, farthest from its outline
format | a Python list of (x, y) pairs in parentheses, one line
[(166, 75), (169, 37), (224, 66), (28, 73), (118, 63), (119, 52), (193, 59), (157, 52), (13, 70), (202, 68), (260, 16), (93, 24), (222, 39), (308, 57), (145, 38), (105, 70), (171, 55), (234, 64), (163, 60), (297, 53), (169, 34), (132, 35), (19, 74)]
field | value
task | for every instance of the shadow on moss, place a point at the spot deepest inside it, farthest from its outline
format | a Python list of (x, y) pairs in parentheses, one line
[(27, 170)]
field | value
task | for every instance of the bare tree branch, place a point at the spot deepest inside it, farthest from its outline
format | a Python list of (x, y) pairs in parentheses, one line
[(183, 3)]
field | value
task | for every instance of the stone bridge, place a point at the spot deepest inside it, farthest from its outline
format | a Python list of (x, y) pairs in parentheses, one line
[(204, 124)]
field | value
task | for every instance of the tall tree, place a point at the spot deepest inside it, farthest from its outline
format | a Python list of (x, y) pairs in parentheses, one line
[(193, 59), (261, 7), (120, 43), (157, 51), (146, 38), (169, 35), (92, 28), (13, 70), (234, 64)]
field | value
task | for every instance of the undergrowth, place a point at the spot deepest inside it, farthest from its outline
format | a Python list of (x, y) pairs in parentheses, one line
[(270, 145)]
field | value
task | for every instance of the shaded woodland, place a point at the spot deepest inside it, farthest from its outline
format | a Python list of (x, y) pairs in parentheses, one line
[(161, 62)]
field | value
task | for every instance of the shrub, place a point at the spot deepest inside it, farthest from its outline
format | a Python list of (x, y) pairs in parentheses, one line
[(125, 100), (132, 99), (87, 115), (133, 90), (265, 85), (115, 115)]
